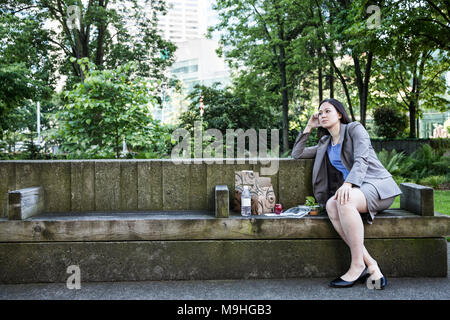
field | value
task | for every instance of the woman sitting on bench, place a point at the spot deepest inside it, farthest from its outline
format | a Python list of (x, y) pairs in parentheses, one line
[(348, 180)]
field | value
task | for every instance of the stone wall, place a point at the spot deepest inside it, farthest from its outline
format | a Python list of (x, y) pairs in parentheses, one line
[(142, 185), (206, 260)]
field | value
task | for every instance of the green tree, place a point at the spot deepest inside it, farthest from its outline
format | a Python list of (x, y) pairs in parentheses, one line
[(428, 21), (416, 83), (109, 106), (13, 92), (415, 59), (346, 29), (26, 70), (226, 109), (376, 33), (259, 38), (108, 32), (390, 122)]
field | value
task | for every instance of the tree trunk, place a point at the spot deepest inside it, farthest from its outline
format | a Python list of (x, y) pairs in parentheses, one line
[(331, 82), (320, 85), (78, 38), (363, 84), (330, 54), (79, 52), (366, 87), (412, 119), (100, 51), (285, 99), (284, 87), (359, 85), (415, 93), (413, 106), (417, 87), (320, 76), (100, 39), (417, 129), (344, 85), (117, 144)]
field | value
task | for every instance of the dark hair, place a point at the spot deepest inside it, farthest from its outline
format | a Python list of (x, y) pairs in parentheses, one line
[(339, 108)]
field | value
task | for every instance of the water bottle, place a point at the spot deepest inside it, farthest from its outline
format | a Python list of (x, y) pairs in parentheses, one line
[(246, 202)]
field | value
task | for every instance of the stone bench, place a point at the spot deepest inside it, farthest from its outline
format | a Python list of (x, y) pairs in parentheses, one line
[(196, 245), (142, 237)]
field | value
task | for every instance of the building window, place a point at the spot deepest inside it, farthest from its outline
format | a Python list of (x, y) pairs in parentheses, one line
[(186, 69)]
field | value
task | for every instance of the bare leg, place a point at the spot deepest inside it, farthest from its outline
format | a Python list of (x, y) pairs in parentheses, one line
[(353, 228), (333, 214), (333, 211)]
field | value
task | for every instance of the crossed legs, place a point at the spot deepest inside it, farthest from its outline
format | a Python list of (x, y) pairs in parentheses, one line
[(348, 224)]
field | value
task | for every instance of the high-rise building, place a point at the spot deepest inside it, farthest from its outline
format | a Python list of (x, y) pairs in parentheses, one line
[(196, 61), (185, 20)]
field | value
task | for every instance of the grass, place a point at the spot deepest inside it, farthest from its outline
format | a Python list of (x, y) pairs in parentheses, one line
[(441, 201)]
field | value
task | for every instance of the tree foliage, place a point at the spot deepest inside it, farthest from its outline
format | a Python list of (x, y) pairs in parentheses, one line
[(109, 106), (26, 69), (38, 40), (291, 44), (108, 32), (411, 73), (285, 55), (389, 122), (262, 37), (226, 109)]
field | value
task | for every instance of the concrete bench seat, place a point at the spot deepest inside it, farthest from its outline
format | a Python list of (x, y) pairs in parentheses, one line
[(203, 225), (125, 220)]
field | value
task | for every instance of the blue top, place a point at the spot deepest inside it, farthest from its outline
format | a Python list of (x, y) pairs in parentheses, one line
[(334, 154)]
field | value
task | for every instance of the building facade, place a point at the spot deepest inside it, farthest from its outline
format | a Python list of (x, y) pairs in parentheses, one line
[(196, 60)]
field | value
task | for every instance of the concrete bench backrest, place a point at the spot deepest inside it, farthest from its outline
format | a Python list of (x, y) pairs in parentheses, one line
[(138, 185)]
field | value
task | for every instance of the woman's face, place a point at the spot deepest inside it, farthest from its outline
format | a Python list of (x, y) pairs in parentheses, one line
[(328, 115)]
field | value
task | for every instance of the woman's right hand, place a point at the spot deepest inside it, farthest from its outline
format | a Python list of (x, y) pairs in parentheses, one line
[(313, 122)]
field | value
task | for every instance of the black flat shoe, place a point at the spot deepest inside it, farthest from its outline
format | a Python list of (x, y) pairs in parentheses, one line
[(378, 284), (340, 283)]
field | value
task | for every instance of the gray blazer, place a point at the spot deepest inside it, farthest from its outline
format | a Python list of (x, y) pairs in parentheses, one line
[(357, 155)]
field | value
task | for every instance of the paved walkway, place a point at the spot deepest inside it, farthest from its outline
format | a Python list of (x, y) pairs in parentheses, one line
[(272, 289)]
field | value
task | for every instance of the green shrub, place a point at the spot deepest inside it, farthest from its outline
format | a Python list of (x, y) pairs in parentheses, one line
[(389, 122), (425, 166), (432, 181), (443, 165), (109, 106), (395, 163), (427, 162), (440, 145), (400, 179)]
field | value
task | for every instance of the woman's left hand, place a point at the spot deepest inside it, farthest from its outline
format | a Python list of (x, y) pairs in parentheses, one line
[(342, 194)]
